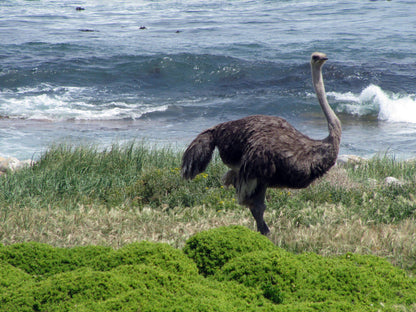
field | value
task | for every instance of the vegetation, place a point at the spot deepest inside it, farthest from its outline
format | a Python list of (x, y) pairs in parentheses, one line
[(156, 277), (211, 250), (68, 176), (73, 226)]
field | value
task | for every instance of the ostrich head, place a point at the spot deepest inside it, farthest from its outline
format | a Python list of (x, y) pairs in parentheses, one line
[(318, 59)]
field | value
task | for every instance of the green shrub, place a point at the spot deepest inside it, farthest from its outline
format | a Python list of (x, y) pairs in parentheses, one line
[(43, 260), (247, 273), (393, 283), (61, 292), (276, 268), (159, 290), (11, 276), (213, 248), (36, 258), (88, 256), (290, 279), (154, 254), (137, 287)]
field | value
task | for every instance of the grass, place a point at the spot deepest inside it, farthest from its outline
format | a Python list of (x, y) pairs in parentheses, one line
[(80, 195)]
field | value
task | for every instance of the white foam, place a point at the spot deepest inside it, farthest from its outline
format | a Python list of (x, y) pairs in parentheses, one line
[(60, 105), (373, 100)]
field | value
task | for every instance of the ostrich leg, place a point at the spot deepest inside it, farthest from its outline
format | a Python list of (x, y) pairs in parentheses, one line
[(257, 208)]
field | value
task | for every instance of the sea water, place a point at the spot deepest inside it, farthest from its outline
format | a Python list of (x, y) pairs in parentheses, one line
[(102, 72)]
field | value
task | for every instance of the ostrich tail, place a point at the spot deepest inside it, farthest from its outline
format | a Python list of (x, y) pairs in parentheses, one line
[(198, 155)]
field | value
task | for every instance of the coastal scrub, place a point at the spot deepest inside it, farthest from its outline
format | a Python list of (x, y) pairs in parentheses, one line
[(156, 277)]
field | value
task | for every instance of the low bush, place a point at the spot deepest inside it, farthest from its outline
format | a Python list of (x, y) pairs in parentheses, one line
[(138, 277), (250, 275), (212, 249), (11, 276), (37, 259), (363, 281), (158, 255)]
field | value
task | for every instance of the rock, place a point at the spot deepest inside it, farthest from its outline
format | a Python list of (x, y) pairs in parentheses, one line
[(25, 163), (13, 164), (9, 164), (1, 161), (349, 159), (392, 181)]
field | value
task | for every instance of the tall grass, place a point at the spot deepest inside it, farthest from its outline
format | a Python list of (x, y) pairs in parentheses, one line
[(79, 195), (67, 176)]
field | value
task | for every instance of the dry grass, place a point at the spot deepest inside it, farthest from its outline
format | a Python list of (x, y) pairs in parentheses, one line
[(114, 227), (393, 242)]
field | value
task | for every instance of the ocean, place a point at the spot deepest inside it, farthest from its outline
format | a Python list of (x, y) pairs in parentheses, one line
[(102, 72)]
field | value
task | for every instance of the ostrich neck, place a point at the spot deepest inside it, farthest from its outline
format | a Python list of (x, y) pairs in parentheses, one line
[(334, 125)]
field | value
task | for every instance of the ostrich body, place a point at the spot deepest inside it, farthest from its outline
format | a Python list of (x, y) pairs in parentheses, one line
[(266, 151)]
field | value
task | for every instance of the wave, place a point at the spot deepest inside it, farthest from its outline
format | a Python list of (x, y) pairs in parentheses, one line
[(61, 103), (131, 86), (373, 100), (190, 85), (206, 73)]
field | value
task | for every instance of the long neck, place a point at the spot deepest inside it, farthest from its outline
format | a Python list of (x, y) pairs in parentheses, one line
[(334, 125)]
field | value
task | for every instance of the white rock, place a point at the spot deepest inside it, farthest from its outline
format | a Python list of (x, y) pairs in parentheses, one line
[(349, 159), (24, 164), (393, 181), (1, 161), (9, 164), (13, 164)]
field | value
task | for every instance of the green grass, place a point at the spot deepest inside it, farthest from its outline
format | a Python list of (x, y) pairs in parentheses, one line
[(133, 175), (67, 175)]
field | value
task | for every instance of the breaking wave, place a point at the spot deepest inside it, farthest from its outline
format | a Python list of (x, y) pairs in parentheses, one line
[(373, 100), (62, 103)]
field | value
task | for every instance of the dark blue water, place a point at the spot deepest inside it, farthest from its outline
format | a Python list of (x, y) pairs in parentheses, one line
[(165, 70)]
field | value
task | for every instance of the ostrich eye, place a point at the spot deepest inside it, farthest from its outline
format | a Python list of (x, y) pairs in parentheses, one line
[(315, 57)]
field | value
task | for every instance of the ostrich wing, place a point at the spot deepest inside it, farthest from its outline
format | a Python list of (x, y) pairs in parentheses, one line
[(281, 156)]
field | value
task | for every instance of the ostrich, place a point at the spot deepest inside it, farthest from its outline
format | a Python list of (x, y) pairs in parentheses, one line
[(266, 151)]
